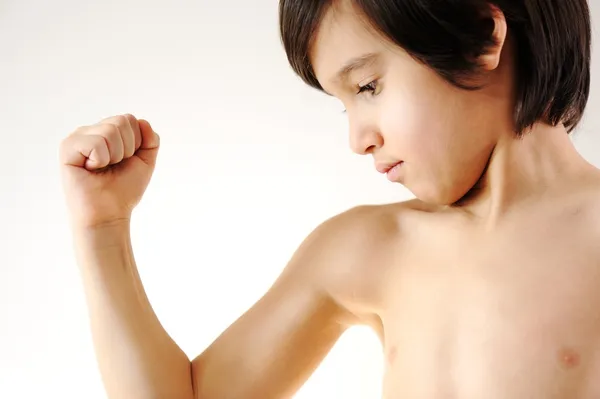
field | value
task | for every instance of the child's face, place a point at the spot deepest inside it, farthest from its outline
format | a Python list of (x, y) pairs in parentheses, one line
[(406, 112)]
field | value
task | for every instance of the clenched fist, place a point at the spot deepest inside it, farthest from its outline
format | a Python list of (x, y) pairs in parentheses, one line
[(106, 168)]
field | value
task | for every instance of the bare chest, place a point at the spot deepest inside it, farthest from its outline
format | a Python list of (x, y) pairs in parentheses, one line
[(519, 319)]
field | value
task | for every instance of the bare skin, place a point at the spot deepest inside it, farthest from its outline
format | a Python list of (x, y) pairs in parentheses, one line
[(470, 312), (484, 288)]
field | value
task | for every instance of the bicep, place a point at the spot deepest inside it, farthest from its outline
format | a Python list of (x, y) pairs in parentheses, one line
[(273, 348)]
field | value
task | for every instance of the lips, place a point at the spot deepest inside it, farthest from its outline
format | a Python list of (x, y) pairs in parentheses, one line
[(386, 167)]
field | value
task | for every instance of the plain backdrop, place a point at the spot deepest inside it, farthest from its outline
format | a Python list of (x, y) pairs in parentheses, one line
[(251, 161)]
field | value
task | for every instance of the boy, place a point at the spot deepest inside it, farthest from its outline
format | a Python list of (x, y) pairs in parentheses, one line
[(484, 286)]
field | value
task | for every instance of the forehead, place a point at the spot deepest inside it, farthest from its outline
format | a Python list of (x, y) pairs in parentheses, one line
[(342, 35)]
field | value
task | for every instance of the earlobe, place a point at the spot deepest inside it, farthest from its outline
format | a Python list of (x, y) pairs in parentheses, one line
[(491, 58)]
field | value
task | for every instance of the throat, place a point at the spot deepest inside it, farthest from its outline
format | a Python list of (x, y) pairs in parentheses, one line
[(522, 169), (477, 191)]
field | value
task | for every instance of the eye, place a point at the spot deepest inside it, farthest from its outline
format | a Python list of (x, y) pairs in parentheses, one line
[(368, 88)]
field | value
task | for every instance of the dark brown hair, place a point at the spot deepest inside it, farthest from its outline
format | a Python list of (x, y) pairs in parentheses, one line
[(552, 40)]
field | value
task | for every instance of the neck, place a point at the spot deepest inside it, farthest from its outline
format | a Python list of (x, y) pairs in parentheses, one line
[(522, 169)]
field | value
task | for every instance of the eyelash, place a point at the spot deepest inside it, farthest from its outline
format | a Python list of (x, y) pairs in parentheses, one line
[(368, 88)]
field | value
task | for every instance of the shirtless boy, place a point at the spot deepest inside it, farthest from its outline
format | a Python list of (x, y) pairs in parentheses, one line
[(485, 286)]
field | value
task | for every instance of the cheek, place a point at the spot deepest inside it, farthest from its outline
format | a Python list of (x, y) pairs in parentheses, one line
[(435, 137), (417, 128), (449, 161)]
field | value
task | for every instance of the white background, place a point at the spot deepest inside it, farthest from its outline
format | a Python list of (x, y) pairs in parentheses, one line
[(251, 162)]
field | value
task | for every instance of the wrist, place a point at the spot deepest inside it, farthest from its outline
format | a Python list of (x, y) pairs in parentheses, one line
[(106, 234), (96, 226)]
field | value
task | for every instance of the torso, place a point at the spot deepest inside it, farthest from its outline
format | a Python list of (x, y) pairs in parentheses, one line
[(511, 311)]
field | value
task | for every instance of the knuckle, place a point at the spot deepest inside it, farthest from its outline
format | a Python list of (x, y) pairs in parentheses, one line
[(110, 131), (130, 119), (117, 120), (98, 141), (69, 142), (120, 119), (79, 131), (65, 146), (96, 144)]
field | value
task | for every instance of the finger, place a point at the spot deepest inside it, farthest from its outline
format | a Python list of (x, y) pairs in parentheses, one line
[(114, 140), (137, 134), (150, 139), (148, 150), (85, 151), (99, 156), (124, 124)]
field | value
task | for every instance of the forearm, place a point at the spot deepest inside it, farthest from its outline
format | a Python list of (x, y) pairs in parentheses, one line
[(136, 356)]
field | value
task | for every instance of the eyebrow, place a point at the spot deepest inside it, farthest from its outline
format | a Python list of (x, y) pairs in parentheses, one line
[(354, 64)]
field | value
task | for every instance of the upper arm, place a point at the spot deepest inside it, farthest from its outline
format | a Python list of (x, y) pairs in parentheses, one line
[(272, 349)]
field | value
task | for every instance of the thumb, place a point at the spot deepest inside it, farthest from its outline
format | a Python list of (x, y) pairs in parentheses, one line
[(150, 143)]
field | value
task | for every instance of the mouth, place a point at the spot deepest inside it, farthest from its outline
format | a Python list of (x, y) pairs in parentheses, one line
[(393, 171), (384, 168)]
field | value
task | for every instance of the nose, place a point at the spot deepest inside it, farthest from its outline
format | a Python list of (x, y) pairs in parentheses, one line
[(365, 139)]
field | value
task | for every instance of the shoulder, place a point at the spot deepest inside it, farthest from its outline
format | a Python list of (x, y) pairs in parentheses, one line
[(369, 225), (358, 231), (587, 207), (346, 256), (581, 202), (365, 224)]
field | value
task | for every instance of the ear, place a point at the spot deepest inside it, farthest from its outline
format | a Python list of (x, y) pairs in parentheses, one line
[(491, 58)]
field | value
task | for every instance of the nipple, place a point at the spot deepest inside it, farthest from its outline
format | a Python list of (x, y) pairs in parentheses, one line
[(568, 358)]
